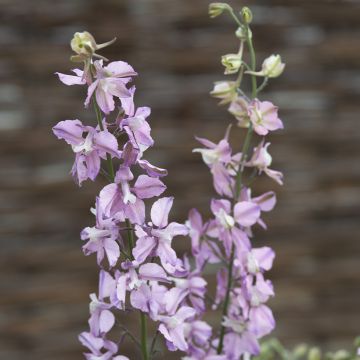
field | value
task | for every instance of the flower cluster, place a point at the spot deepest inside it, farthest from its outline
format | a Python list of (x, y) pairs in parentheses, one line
[(139, 269), (143, 272)]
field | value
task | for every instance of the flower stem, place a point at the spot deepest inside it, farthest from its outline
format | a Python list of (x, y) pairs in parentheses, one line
[(143, 336), (238, 186)]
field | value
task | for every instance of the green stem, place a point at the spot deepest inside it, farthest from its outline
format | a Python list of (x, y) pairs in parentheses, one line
[(238, 187), (143, 336)]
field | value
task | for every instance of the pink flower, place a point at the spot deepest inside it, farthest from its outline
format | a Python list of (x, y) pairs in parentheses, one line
[(174, 328), (262, 160), (111, 82), (264, 117)]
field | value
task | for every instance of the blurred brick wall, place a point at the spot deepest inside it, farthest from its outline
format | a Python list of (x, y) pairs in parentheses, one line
[(45, 279)]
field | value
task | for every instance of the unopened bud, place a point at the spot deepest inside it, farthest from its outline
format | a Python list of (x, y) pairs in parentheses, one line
[(246, 15), (300, 351), (271, 67), (224, 90), (232, 63), (241, 33), (85, 46), (216, 9), (314, 354)]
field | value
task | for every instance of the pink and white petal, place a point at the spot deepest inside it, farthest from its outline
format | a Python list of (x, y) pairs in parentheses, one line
[(69, 130), (143, 248), (116, 87), (152, 170), (147, 187), (104, 99), (135, 212), (112, 251), (178, 337), (246, 213), (71, 79), (209, 144), (107, 142), (275, 175), (162, 328), (152, 271), (175, 229), (266, 201), (106, 284), (160, 211), (173, 299), (93, 164), (185, 312), (120, 69), (106, 321), (90, 92), (264, 256)]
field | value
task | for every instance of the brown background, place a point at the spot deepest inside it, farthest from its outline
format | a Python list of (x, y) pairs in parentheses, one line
[(44, 277)]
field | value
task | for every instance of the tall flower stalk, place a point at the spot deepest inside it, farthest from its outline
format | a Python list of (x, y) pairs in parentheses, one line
[(139, 271)]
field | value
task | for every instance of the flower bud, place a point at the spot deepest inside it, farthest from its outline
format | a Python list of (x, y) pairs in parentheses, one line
[(232, 63), (216, 9), (240, 33), (271, 67), (246, 15), (83, 44), (314, 354), (224, 90)]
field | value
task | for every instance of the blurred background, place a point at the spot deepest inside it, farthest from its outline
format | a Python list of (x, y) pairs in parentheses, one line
[(45, 279)]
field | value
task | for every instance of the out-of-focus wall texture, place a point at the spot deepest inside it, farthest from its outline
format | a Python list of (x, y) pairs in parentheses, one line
[(44, 277)]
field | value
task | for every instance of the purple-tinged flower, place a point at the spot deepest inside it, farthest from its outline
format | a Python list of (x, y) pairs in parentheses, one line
[(110, 82), (261, 159), (264, 117), (239, 339), (124, 201), (138, 129), (239, 108), (101, 318), (246, 214), (89, 145), (217, 156), (174, 328), (102, 238), (95, 345), (157, 240)]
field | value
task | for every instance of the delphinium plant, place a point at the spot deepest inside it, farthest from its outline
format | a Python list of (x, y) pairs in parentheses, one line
[(139, 271)]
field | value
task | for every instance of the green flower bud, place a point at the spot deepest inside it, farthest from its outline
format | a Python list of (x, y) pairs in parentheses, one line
[(216, 9), (246, 15), (300, 351), (83, 44), (314, 354), (341, 355), (241, 33), (232, 63)]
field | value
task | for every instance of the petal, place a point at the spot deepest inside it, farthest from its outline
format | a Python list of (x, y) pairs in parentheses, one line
[(112, 251), (69, 130), (160, 211), (93, 164), (107, 142), (90, 92), (72, 79), (147, 187), (120, 69), (266, 201), (246, 213), (143, 248), (152, 170), (104, 99), (106, 321), (152, 271)]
